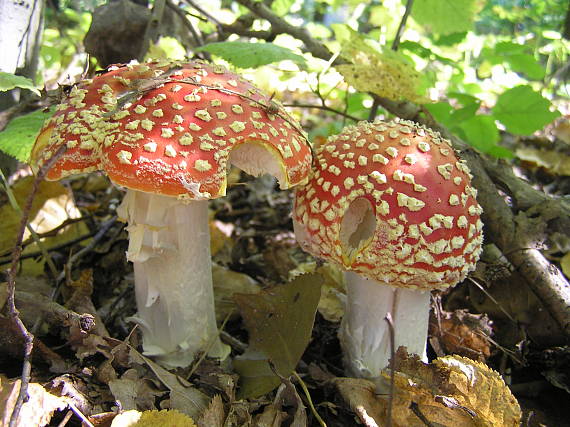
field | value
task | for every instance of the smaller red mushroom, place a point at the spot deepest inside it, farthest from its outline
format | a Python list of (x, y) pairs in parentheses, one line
[(168, 132), (393, 205)]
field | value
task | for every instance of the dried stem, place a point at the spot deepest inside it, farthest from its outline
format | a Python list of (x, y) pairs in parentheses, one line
[(152, 27), (13, 312), (400, 31)]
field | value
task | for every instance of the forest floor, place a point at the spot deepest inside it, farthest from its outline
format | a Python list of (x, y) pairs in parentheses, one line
[(492, 317)]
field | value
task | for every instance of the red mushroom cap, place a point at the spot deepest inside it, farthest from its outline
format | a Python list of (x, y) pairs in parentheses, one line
[(392, 202), (169, 128)]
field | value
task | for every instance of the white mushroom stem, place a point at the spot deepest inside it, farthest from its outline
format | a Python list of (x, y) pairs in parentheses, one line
[(169, 245), (364, 332)]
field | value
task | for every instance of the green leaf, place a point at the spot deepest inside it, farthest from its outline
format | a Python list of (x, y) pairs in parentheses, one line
[(9, 81), (19, 136), (526, 64), (279, 321), (523, 111), (251, 55), (517, 57), (445, 16), (281, 7), (481, 132), (441, 111)]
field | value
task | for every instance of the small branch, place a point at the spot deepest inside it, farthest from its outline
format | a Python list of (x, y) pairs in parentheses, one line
[(152, 27), (279, 26), (13, 313), (400, 31), (325, 108), (195, 34), (211, 18)]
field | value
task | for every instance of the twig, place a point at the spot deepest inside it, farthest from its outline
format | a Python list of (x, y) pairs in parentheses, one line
[(66, 419), (416, 410), (492, 298), (400, 31), (103, 228), (152, 27), (309, 400), (203, 12), (56, 248), (182, 15), (35, 236), (390, 322), (13, 312), (325, 108), (80, 415), (279, 26)]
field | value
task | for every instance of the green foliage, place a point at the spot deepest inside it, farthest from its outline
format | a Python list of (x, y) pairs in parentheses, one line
[(9, 81), (279, 321), (281, 7), (523, 111), (445, 16), (478, 130), (19, 136), (251, 55), (517, 57), (482, 133)]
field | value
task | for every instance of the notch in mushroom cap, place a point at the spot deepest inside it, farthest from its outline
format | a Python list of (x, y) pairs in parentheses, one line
[(392, 204), (171, 128), (167, 132)]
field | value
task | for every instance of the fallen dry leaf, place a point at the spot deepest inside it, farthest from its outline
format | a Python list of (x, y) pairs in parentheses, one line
[(226, 284), (214, 415), (460, 332), (52, 206), (452, 391), (38, 408), (183, 396), (164, 418), (279, 321)]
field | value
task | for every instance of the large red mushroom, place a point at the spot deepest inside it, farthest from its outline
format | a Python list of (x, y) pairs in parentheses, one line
[(168, 132), (393, 205)]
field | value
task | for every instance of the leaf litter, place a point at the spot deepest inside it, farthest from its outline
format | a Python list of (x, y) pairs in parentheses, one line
[(102, 374)]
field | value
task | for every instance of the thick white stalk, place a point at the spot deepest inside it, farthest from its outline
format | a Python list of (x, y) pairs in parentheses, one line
[(169, 245), (364, 332)]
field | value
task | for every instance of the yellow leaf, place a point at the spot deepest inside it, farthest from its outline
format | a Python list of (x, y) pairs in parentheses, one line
[(164, 418), (452, 391), (50, 208), (385, 73), (555, 162)]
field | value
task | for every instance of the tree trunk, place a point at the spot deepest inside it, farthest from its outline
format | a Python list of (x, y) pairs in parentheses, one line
[(21, 22)]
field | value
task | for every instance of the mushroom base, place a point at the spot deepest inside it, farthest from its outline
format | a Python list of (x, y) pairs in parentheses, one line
[(169, 245), (364, 333)]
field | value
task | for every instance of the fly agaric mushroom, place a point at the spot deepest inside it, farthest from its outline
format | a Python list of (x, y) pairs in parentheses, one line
[(167, 132), (393, 205)]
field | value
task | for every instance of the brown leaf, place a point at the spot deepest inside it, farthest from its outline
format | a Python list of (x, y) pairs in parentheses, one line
[(360, 394), (214, 415), (133, 392), (38, 408), (463, 333), (183, 396)]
